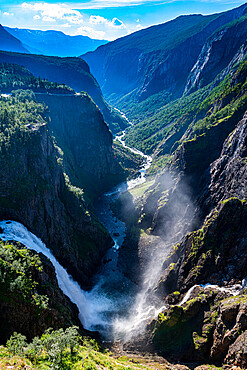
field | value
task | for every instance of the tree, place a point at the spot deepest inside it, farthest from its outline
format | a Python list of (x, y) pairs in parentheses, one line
[(16, 344)]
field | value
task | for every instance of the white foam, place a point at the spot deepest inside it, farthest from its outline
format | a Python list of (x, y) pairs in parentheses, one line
[(90, 306)]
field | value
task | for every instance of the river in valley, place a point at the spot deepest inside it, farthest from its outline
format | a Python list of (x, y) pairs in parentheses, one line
[(107, 306), (115, 307)]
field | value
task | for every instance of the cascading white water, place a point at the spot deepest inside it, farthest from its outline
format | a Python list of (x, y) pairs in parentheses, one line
[(144, 308), (98, 307), (233, 290), (90, 309), (110, 307)]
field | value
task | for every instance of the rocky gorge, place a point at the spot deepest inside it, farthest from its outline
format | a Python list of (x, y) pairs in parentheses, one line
[(162, 261)]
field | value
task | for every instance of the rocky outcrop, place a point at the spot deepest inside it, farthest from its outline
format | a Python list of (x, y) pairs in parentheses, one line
[(216, 252), (203, 189), (33, 191), (209, 327), (86, 142), (226, 177)]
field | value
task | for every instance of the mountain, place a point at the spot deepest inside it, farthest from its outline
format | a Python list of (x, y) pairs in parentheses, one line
[(160, 127), (10, 43), (185, 228), (73, 72), (56, 157), (59, 156), (154, 60), (193, 214), (53, 42)]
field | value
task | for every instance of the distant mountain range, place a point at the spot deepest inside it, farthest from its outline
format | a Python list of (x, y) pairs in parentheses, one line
[(10, 43), (46, 42)]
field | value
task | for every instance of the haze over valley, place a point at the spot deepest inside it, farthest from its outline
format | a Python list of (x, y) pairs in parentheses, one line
[(123, 216)]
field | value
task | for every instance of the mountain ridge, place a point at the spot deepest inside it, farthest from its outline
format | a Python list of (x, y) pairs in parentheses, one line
[(10, 43), (121, 64), (51, 42)]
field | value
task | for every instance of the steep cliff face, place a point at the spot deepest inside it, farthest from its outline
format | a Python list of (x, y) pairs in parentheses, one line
[(217, 252), (209, 327), (208, 168), (156, 59), (195, 213), (73, 72), (219, 50), (85, 140), (34, 192)]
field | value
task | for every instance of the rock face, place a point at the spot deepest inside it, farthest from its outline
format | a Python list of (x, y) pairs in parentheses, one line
[(158, 58), (85, 140), (33, 191), (197, 209), (73, 72), (210, 327), (221, 182), (216, 252), (225, 45)]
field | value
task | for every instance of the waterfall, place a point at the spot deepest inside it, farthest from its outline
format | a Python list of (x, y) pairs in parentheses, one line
[(112, 294), (90, 307)]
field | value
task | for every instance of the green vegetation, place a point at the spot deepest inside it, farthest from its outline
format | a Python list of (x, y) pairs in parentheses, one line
[(187, 119), (171, 33), (14, 77), (139, 190), (66, 349), (129, 161), (18, 267), (168, 121), (19, 115)]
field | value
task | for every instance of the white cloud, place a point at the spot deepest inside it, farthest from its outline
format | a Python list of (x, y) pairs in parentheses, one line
[(66, 25), (101, 4), (48, 19), (53, 12), (115, 22), (97, 19), (67, 18), (7, 14), (90, 32)]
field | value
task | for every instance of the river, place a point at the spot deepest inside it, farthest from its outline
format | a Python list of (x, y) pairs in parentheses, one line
[(112, 293)]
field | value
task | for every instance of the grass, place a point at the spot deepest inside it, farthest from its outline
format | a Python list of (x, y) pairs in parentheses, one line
[(86, 357), (138, 191)]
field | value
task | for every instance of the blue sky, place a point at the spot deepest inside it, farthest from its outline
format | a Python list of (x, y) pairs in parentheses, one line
[(102, 19)]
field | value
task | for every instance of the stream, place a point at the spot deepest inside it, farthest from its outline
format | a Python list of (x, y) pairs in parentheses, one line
[(112, 294), (115, 306)]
